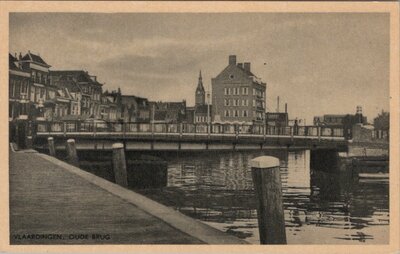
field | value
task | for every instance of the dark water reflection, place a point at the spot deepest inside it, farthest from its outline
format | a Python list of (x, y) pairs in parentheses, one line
[(321, 205)]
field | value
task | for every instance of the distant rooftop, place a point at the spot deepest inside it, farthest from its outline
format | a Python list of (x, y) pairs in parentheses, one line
[(30, 57)]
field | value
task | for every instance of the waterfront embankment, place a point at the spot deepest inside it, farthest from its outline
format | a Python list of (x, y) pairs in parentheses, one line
[(52, 202)]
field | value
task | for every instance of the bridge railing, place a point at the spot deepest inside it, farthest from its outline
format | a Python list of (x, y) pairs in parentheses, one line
[(185, 128)]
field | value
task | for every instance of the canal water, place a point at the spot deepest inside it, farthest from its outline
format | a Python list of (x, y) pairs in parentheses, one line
[(322, 205)]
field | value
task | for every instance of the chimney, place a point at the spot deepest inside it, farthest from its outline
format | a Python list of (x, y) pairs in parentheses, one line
[(246, 66), (277, 109), (240, 65), (359, 110), (285, 107), (232, 60), (20, 56)]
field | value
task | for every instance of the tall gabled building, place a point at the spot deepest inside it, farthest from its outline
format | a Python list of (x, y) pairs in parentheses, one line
[(42, 93), (238, 96), (19, 86)]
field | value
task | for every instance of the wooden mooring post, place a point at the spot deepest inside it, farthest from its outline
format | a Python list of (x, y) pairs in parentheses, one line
[(52, 149), (119, 165), (72, 156), (268, 188)]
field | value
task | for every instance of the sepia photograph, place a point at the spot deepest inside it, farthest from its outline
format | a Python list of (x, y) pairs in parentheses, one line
[(193, 128)]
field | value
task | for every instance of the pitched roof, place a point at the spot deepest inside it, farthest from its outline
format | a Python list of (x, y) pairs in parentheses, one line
[(34, 58), (128, 99), (11, 63), (69, 84), (79, 75), (171, 105), (240, 71)]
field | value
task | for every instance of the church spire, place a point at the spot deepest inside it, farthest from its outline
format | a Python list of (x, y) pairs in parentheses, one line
[(200, 92), (200, 84)]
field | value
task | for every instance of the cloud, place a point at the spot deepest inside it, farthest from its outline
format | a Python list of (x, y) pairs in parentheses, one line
[(318, 63)]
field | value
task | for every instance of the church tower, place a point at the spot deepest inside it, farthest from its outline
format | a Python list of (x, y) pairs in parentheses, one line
[(200, 97)]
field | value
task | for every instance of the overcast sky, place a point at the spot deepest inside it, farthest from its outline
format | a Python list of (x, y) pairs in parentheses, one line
[(317, 63)]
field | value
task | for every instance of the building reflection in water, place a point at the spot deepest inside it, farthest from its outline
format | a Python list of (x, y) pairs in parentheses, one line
[(217, 188)]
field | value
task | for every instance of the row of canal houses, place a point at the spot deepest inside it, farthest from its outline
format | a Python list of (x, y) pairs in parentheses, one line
[(37, 93)]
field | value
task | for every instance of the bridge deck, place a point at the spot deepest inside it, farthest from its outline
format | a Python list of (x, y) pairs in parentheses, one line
[(191, 141)]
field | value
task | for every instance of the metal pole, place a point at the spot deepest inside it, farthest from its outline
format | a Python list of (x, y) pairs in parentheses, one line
[(208, 112)]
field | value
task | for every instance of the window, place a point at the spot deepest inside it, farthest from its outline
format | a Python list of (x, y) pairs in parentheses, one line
[(32, 93), (42, 93), (231, 76), (52, 94), (34, 76), (245, 91), (23, 87), (39, 76), (244, 113), (226, 102), (227, 113), (254, 103), (12, 88), (37, 93), (236, 113), (226, 91), (254, 91), (16, 88)]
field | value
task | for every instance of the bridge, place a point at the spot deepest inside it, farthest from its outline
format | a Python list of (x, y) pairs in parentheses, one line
[(187, 137)]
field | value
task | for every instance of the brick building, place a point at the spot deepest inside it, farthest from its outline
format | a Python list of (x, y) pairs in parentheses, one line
[(108, 108), (277, 119), (345, 121), (42, 93), (19, 87), (238, 96), (134, 109), (90, 89), (169, 112)]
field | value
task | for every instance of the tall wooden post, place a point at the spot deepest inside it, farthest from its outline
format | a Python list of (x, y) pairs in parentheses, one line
[(52, 150), (119, 165), (72, 156), (268, 189)]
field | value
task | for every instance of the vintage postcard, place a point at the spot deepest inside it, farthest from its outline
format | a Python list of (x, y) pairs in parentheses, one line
[(168, 127)]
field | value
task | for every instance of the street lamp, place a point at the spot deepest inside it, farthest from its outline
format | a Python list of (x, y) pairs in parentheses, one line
[(208, 112)]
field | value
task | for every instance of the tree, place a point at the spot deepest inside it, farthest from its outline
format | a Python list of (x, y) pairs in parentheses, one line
[(381, 122)]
